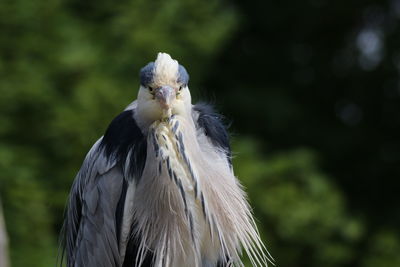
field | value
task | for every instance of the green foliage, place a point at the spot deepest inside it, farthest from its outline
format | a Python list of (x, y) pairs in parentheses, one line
[(383, 249), (25, 201), (302, 215)]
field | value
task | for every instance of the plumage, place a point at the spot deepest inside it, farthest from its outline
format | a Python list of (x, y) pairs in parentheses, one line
[(158, 189)]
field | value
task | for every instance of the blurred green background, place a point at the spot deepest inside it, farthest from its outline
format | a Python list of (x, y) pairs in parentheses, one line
[(310, 88)]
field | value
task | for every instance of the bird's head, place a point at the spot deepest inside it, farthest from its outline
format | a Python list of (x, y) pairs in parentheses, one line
[(163, 90)]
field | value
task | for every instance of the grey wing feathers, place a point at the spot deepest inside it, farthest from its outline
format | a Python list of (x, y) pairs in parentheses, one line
[(90, 229), (95, 209), (97, 243)]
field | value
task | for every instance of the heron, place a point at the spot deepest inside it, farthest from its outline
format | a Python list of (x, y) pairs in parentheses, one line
[(158, 188)]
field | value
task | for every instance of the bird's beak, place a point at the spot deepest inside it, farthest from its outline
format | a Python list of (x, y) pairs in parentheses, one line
[(165, 95)]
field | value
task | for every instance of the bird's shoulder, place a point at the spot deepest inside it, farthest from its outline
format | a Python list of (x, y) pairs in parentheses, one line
[(213, 126), (124, 143)]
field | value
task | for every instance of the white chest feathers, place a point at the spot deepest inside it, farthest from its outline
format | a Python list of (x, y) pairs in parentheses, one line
[(188, 206), (175, 165)]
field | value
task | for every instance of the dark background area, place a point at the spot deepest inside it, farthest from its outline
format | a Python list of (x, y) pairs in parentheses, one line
[(323, 76), (311, 90)]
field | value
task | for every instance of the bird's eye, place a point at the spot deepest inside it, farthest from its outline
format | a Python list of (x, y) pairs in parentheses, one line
[(180, 88), (151, 89)]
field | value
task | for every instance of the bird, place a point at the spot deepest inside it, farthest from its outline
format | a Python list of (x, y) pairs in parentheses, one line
[(158, 188)]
